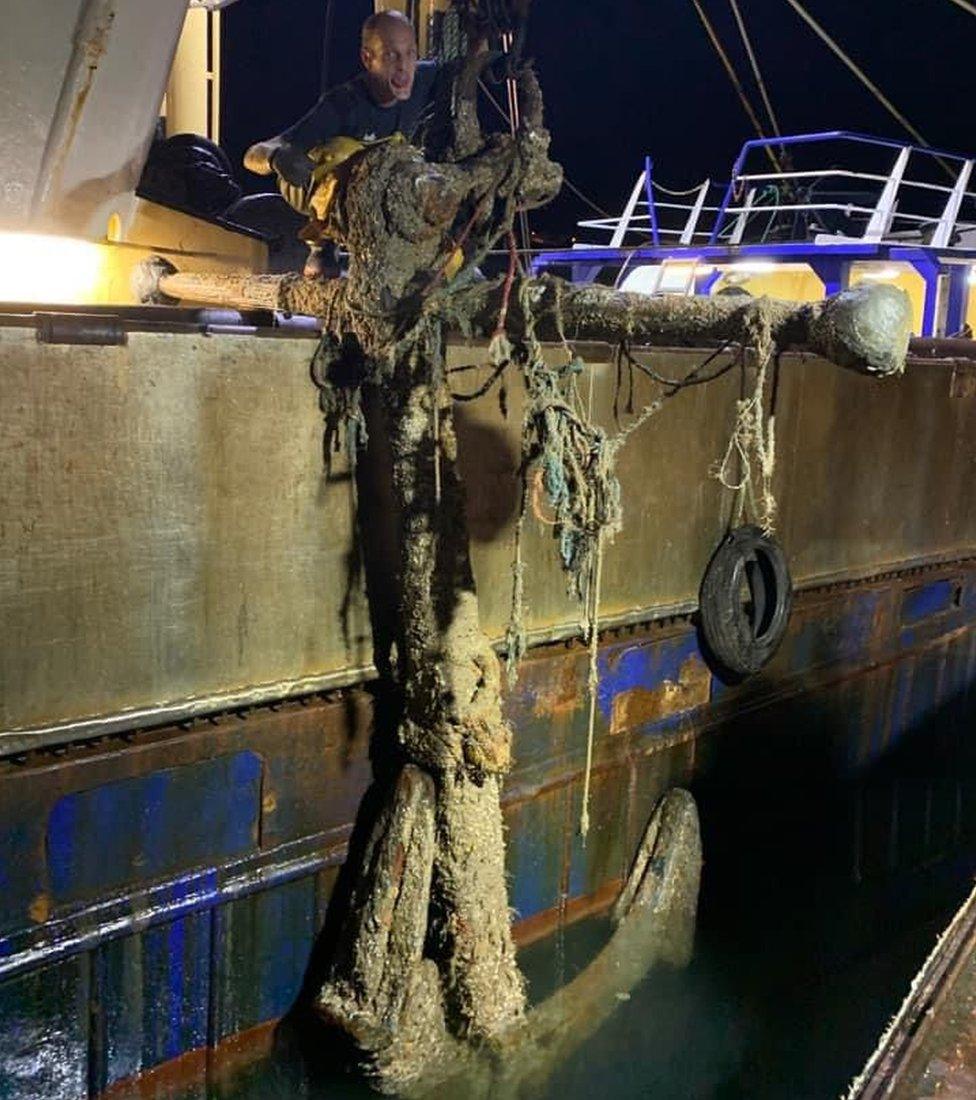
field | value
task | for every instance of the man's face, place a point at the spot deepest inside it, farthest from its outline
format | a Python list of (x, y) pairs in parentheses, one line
[(390, 61)]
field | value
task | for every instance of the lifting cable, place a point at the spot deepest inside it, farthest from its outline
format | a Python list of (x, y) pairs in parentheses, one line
[(511, 47), (736, 83), (859, 73), (751, 53), (568, 183)]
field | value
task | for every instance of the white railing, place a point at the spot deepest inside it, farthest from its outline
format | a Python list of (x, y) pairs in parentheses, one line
[(803, 204)]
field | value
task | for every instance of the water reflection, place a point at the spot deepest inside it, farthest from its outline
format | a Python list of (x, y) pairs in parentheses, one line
[(823, 892)]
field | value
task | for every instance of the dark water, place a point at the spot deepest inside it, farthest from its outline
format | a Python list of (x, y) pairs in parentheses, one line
[(749, 1018), (825, 884), (817, 910)]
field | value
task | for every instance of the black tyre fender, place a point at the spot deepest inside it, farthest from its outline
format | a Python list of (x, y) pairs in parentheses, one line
[(740, 639)]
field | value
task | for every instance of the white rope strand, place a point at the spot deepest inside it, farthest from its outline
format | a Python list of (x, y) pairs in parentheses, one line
[(593, 624), (677, 194), (751, 53), (736, 82), (593, 680)]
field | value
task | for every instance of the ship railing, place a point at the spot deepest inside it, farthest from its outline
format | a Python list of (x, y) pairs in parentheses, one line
[(921, 191), (827, 201), (659, 220), (932, 207)]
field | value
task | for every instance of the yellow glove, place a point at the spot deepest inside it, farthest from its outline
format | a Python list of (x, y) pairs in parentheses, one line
[(327, 159)]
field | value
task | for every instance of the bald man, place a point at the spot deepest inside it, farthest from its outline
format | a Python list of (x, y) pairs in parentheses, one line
[(393, 94)]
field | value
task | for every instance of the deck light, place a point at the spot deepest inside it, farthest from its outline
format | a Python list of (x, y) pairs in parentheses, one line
[(879, 274), (37, 268), (754, 267)]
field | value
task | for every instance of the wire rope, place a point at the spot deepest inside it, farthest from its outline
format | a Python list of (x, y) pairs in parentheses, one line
[(751, 54), (514, 122), (567, 182), (736, 82), (325, 75), (868, 83)]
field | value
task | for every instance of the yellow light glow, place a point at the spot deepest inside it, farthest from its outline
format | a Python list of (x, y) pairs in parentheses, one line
[(36, 268), (879, 274), (754, 267)]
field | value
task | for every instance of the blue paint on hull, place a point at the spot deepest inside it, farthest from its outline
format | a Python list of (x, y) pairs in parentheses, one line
[(147, 827)]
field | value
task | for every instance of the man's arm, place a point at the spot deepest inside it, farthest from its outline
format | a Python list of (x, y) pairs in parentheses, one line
[(286, 153), (278, 155)]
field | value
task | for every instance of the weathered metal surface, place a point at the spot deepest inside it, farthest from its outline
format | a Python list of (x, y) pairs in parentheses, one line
[(199, 945), (927, 600), (98, 840), (153, 990), (538, 829), (155, 550), (170, 543), (79, 97), (266, 942), (929, 1048), (944, 1065), (682, 683), (315, 768), (957, 348)]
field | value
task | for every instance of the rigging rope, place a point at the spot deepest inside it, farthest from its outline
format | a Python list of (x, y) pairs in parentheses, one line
[(511, 48), (566, 181), (583, 198), (752, 447), (750, 52), (868, 83), (572, 461), (593, 678), (736, 82), (966, 6), (678, 194)]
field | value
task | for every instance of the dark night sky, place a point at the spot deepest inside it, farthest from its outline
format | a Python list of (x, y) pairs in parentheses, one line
[(623, 78)]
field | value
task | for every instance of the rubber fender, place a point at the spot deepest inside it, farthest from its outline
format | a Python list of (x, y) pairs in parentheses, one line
[(742, 633), (191, 173)]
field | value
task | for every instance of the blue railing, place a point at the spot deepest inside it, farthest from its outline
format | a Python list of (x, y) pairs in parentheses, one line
[(893, 184)]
